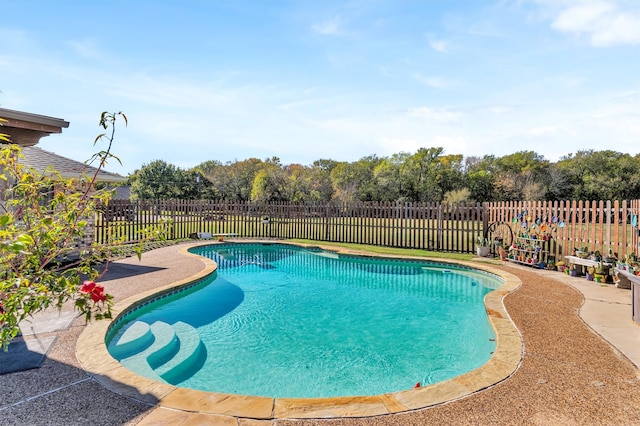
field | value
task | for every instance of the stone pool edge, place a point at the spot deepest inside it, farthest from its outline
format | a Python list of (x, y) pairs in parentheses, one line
[(92, 354)]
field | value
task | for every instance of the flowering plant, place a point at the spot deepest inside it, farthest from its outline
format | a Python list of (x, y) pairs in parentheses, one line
[(93, 298), (41, 219), (95, 291)]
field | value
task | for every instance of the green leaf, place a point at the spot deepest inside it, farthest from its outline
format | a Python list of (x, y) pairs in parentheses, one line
[(25, 239), (16, 247)]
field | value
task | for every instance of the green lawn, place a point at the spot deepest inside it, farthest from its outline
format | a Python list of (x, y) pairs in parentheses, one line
[(389, 250)]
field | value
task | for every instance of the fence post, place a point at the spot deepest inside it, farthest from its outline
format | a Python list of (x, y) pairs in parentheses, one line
[(439, 228), (485, 210)]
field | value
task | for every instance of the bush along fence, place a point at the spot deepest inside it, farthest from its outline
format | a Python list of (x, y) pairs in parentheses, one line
[(567, 225)]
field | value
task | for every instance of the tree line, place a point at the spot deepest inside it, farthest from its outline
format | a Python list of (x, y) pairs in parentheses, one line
[(426, 175)]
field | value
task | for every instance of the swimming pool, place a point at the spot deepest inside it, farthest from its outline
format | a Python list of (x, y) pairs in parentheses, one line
[(283, 321)]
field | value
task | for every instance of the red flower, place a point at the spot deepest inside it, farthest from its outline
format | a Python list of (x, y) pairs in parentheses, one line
[(87, 286), (97, 294), (96, 291)]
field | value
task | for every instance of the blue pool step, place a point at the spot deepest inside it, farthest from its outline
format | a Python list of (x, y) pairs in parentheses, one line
[(138, 336), (159, 351), (190, 349)]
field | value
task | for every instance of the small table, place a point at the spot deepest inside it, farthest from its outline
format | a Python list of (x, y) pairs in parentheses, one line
[(585, 263)]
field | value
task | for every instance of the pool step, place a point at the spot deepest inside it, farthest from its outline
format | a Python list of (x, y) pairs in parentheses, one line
[(172, 350), (164, 346), (191, 348), (138, 336)]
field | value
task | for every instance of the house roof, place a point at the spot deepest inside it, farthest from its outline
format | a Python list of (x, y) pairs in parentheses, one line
[(26, 129), (41, 160)]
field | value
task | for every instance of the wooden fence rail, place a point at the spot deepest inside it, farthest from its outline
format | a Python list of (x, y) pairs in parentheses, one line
[(597, 225)]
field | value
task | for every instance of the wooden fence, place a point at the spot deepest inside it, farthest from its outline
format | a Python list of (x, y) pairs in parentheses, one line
[(597, 225), (429, 226)]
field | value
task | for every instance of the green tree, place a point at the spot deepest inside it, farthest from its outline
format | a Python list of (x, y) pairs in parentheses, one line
[(207, 166), (559, 183), (270, 183), (234, 181), (480, 176), (319, 181), (354, 181), (419, 175), (388, 177), (602, 175), (521, 175), (156, 180), (457, 196), (449, 174), (299, 183)]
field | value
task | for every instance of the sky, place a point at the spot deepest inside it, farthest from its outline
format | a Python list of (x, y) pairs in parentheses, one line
[(304, 80)]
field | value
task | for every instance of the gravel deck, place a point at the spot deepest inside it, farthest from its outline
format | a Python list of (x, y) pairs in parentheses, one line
[(569, 374)]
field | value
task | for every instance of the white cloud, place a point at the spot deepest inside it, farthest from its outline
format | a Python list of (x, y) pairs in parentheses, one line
[(331, 26), (435, 82), (390, 146), (602, 23), (439, 45), (544, 131), (88, 49), (451, 144), (498, 109), (440, 116)]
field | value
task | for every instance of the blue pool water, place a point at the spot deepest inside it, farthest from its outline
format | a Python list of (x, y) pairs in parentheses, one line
[(283, 321)]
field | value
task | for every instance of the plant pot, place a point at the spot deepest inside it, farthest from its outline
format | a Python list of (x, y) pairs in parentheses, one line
[(483, 251), (560, 268), (599, 278), (589, 276), (573, 273)]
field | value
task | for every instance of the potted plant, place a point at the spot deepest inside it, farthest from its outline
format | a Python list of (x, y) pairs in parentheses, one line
[(600, 273), (483, 248), (590, 273), (574, 271), (503, 253)]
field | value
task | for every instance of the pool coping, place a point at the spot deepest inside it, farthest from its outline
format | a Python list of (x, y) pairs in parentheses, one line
[(91, 352)]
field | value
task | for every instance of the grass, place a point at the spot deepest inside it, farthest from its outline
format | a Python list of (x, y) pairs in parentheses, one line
[(389, 250)]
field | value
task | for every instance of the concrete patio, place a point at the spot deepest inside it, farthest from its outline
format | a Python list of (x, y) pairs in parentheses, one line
[(580, 365)]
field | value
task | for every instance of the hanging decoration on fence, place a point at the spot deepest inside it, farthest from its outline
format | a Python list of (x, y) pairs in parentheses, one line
[(540, 228)]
